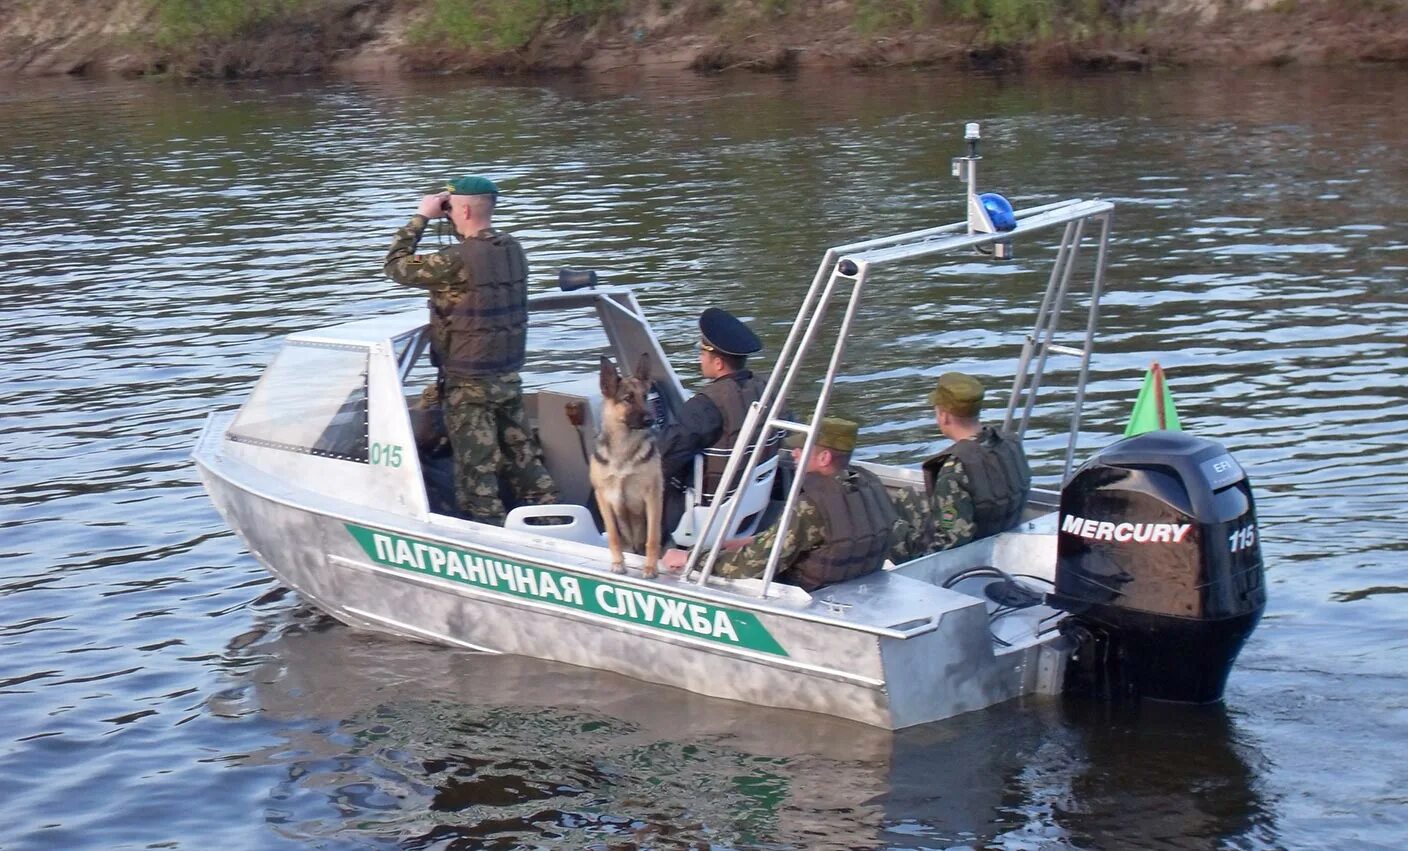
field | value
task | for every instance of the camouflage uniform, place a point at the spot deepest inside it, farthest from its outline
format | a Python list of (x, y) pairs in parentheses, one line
[(914, 529), (808, 532), (493, 443), (484, 416), (951, 505), (804, 533), (439, 272), (945, 519)]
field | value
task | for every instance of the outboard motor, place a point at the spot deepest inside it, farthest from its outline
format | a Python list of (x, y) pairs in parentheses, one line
[(1158, 564)]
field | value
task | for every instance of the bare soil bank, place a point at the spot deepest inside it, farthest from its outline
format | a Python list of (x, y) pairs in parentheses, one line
[(361, 37)]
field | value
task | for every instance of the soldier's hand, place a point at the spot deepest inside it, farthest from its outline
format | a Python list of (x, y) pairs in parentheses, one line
[(674, 560), (430, 205)]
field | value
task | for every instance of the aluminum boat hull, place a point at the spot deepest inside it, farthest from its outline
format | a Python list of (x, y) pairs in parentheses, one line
[(886, 650)]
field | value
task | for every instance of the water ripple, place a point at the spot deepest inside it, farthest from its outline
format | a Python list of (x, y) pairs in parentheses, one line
[(166, 237)]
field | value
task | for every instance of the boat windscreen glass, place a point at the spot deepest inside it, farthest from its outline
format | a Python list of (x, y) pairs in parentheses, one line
[(312, 399)]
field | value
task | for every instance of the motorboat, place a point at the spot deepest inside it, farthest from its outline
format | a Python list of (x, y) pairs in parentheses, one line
[(1139, 576)]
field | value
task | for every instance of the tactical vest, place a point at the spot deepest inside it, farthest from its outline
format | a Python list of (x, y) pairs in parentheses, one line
[(732, 395), (858, 519), (482, 330), (998, 473)]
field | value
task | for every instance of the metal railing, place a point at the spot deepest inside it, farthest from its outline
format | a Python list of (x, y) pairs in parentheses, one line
[(849, 267)]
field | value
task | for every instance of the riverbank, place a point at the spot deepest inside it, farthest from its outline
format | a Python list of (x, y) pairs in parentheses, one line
[(234, 38)]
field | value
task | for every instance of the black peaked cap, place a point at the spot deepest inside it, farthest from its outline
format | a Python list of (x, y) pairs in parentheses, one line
[(725, 333)]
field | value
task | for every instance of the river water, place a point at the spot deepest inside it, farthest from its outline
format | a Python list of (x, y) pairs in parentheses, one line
[(159, 690)]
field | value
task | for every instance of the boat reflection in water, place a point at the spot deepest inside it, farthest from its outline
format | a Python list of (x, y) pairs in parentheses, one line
[(386, 741), (1072, 773), (1188, 772), (422, 745)]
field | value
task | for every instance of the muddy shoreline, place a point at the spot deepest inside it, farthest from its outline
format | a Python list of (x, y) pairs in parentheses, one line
[(381, 37)]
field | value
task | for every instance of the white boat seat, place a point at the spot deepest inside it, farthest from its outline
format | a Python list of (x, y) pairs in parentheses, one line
[(574, 523), (753, 498)]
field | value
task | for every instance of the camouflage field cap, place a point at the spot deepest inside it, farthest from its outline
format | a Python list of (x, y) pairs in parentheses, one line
[(471, 185), (834, 433), (958, 393)]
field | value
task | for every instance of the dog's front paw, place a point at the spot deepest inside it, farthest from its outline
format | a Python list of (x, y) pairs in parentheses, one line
[(618, 567), (649, 571)]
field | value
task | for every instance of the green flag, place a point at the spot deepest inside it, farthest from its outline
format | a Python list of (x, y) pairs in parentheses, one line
[(1153, 410)]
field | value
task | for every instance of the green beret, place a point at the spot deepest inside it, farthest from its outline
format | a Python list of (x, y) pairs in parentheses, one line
[(957, 393), (835, 433), (472, 185)]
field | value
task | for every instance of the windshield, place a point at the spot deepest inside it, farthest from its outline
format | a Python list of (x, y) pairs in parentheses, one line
[(312, 399)]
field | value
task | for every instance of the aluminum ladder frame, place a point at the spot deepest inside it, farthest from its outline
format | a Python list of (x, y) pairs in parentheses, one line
[(1040, 343)]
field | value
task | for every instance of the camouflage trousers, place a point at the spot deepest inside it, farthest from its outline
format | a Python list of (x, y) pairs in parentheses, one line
[(489, 432), (914, 528), (937, 521)]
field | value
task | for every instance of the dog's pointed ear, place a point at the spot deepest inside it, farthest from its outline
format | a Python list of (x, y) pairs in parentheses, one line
[(610, 378), (643, 368)]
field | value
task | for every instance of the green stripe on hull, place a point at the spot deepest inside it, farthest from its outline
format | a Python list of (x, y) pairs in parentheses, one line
[(627, 603)]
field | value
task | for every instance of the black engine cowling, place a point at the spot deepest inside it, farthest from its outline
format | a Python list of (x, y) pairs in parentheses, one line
[(1159, 564)]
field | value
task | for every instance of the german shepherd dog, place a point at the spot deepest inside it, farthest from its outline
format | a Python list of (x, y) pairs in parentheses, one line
[(625, 467)]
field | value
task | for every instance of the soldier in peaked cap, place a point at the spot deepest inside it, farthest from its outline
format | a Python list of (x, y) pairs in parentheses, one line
[(711, 420), (478, 291), (842, 527), (976, 487)]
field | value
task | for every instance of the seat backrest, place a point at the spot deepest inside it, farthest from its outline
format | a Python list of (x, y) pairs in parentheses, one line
[(752, 499), (566, 446), (715, 460), (571, 523)]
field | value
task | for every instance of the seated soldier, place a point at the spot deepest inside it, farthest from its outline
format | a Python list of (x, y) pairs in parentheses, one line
[(713, 417), (976, 487), (841, 527)]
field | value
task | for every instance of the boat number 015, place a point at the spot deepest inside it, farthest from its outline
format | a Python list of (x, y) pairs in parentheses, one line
[(386, 454), (1242, 538)]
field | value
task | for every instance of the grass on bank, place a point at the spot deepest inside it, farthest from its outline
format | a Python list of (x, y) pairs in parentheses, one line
[(998, 21), (511, 24), (506, 25), (185, 22), (500, 24)]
